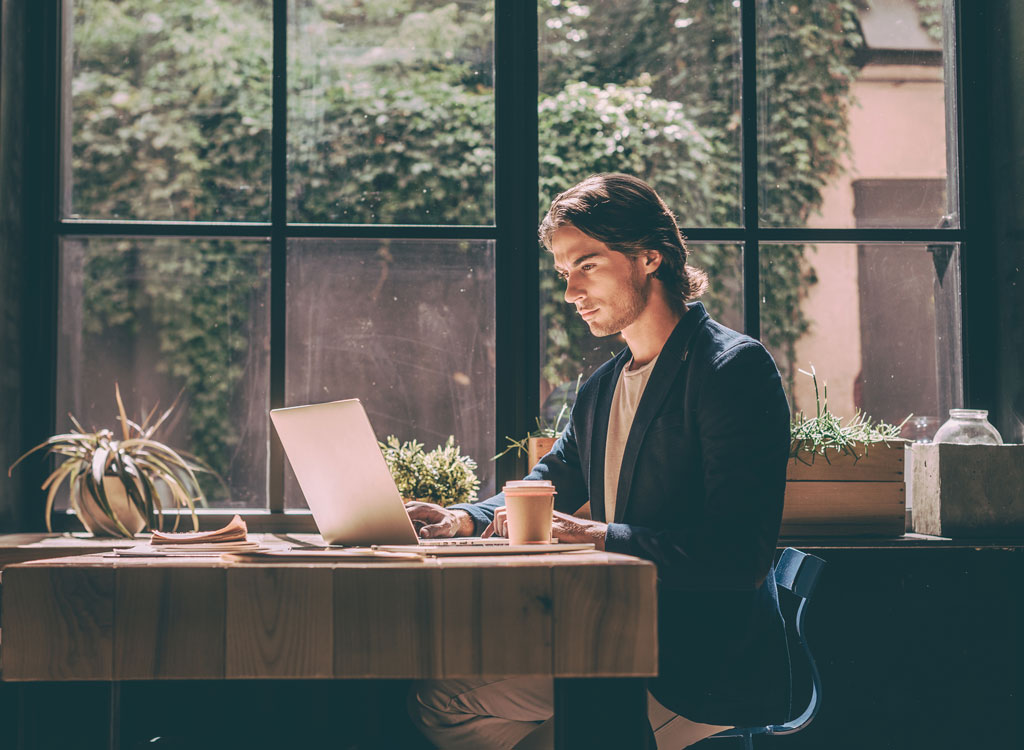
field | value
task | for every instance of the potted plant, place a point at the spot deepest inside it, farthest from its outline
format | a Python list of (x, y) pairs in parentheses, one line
[(844, 478), (538, 442), (442, 476), (118, 486)]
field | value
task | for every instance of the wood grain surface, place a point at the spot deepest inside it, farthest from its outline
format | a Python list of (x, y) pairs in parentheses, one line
[(58, 623), (279, 622), (96, 618), (497, 621), (387, 622), (169, 623), (845, 508), (602, 622)]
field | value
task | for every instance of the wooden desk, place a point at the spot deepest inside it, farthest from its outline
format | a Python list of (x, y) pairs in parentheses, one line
[(586, 619)]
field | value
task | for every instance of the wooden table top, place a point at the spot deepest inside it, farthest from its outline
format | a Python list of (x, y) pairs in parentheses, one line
[(94, 617)]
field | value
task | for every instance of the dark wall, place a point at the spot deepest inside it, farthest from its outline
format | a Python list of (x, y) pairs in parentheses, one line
[(918, 648)]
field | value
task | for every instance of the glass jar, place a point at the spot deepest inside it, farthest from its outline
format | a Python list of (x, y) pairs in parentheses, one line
[(968, 426)]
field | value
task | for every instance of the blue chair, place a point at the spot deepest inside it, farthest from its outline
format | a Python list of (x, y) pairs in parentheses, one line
[(798, 573)]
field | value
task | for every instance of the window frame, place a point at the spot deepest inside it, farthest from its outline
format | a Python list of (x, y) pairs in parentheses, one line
[(518, 345)]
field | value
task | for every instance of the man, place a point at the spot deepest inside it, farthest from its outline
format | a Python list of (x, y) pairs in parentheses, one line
[(679, 444)]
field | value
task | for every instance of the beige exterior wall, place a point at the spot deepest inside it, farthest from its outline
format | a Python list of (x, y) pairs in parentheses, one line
[(897, 130)]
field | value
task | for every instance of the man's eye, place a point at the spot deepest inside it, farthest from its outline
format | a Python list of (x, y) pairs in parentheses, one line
[(588, 266), (561, 276)]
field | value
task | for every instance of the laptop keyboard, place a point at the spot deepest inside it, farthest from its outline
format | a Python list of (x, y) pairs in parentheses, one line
[(465, 541)]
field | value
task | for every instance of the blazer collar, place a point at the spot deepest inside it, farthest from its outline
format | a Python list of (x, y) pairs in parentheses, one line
[(663, 376)]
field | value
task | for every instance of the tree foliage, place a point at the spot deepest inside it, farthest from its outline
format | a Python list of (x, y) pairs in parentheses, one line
[(391, 120)]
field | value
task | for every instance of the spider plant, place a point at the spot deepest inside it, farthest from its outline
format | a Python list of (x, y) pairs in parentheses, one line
[(144, 466), (814, 436)]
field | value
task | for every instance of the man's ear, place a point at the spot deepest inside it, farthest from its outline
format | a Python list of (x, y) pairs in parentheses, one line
[(652, 261)]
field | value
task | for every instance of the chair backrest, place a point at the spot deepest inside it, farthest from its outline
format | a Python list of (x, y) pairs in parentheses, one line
[(798, 572)]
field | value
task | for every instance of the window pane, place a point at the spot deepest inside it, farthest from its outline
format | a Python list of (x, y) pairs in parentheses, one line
[(169, 110), (879, 323), (570, 349), (407, 327), (167, 315), (651, 89), (391, 112), (852, 93)]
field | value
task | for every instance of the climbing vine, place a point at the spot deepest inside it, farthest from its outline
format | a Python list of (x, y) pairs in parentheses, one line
[(171, 120)]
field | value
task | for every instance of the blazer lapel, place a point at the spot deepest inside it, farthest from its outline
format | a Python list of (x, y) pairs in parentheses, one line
[(663, 377), (599, 437)]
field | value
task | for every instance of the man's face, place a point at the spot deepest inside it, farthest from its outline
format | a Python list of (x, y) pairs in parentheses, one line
[(610, 290)]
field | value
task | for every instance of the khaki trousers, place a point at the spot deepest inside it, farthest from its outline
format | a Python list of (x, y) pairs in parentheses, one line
[(515, 713)]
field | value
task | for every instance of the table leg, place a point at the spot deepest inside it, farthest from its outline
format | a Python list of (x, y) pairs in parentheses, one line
[(602, 713), (115, 716)]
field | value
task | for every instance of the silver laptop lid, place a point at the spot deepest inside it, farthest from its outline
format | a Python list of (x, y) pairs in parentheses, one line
[(334, 453)]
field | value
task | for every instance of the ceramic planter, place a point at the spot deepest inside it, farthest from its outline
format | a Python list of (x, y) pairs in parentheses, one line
[(96, 521)]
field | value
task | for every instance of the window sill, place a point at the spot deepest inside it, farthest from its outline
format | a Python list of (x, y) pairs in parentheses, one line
[(257, 520)]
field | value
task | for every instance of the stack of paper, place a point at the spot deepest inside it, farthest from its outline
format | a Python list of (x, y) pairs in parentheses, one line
[(230, 538), (235, 531)]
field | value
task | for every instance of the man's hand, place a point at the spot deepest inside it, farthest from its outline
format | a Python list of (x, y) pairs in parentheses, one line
[(564, 527), (432, 521)]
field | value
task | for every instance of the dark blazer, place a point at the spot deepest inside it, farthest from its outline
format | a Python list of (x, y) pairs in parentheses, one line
[(700, 494)]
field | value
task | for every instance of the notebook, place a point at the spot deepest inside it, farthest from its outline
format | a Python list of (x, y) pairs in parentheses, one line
[(347, 485)]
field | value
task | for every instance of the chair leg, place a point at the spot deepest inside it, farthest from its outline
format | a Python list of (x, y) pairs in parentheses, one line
[(748, 742)]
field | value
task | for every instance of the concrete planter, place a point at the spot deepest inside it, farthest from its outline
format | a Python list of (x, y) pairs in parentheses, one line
[(968, 490)]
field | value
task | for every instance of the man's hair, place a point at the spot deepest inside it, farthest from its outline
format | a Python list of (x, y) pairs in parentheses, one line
[(627, 215)]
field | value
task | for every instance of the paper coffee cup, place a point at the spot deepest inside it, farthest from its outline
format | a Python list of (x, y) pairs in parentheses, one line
[(529, 507)]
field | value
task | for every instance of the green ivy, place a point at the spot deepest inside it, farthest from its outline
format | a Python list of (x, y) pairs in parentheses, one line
[(171, 120)]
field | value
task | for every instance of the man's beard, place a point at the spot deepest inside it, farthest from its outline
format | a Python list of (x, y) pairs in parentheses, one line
[(631, 307)]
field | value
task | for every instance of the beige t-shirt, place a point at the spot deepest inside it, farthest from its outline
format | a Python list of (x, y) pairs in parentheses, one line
[(625, 400)]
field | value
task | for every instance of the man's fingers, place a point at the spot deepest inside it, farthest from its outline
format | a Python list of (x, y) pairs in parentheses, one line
[(422, 512), (489, 531), (500, 524)]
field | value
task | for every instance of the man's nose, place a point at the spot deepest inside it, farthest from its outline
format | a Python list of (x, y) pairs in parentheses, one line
[(572, 290)]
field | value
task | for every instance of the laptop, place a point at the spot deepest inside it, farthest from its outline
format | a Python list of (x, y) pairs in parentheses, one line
[(353, 498)]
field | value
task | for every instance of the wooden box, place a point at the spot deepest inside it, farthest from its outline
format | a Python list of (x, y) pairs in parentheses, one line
[(538, 448), (844, 496), (968, 490)]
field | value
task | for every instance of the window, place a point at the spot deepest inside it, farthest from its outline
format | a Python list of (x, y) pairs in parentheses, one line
[(267, 204), (814, 145)]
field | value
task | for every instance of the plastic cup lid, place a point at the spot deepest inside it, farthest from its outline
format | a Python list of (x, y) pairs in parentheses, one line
[(529, 487)]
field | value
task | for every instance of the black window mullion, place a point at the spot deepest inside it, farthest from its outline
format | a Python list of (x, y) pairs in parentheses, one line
[(748, 160), (36, 30), (278, 244), (517, 286)]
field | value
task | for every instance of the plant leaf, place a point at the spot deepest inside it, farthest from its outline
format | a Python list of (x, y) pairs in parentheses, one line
[(169, 452), (120, 411), (54, 440), (100, 496), (131, 488), (145, 422), (164, 416), (54, 481), (99, 464)]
